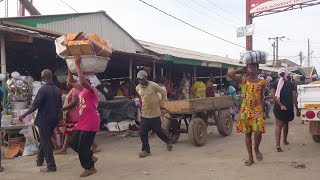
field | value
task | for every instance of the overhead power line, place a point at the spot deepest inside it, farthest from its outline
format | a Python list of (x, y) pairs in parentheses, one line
[(223, 9), (215, 12), (262, 35), (193, 26), (69, 6), (198, 11)]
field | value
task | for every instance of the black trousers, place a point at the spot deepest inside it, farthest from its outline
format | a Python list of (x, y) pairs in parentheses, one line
[(81, 143), (46, 147), (154, 124)]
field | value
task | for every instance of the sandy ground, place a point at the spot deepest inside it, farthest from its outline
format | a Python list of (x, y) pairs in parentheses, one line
[(220, 158)]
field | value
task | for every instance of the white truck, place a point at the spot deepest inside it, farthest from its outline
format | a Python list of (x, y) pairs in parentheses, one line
[(309, 104)]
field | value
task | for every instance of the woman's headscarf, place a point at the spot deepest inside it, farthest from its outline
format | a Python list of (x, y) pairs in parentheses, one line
[(281, 81)]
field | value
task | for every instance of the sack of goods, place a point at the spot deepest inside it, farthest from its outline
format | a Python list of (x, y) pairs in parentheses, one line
[(254, 57), (93, 50)]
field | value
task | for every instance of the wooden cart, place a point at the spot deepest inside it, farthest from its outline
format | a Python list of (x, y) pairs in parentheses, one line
[(194, 113)]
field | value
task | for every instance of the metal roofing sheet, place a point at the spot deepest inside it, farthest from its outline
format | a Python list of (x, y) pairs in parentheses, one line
[(207, 59), (9, 29), (97, 22)]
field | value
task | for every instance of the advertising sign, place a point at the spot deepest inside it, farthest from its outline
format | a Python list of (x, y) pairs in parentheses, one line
[(257, 6), (245, 31)]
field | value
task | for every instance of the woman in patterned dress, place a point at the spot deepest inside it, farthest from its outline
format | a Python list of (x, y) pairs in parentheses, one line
[(251, 114)]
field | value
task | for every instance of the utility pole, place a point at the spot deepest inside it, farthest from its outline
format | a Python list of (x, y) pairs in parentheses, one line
[(274, 55), (276, 44), (308, 52), (301, 59)]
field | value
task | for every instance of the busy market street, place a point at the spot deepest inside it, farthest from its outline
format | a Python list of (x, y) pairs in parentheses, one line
[(222, 158), (170, 89)]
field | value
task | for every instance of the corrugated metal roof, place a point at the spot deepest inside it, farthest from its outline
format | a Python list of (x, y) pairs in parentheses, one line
[(143, 55), (96, 22), (14, 30), (308, 71), (188, 54), (207, 59)]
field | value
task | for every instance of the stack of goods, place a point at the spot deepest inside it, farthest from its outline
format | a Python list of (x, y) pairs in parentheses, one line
[(254, 57), (24, 144), (16, 148), (198, 90), (19, 95), (6, 120), (94, 51)]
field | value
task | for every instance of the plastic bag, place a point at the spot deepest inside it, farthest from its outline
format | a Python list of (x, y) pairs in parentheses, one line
[(198, 90), (31, 146), (252, 57)]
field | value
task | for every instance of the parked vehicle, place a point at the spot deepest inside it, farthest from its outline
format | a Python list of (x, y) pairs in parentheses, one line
[(309, 104)]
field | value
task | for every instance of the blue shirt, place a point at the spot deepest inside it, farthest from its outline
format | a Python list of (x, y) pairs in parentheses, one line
[(1, 94), (233, 93), (49, 104)]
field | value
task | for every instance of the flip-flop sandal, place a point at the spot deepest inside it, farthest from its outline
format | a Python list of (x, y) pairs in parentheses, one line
[(259, 156), (279, 149), (87, 173), (286, 143), (248, 162)]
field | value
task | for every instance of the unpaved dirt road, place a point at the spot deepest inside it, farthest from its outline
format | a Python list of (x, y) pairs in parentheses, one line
[(221, 158)]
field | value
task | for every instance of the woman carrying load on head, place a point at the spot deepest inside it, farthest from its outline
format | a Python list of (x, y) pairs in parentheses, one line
[(251, 113)]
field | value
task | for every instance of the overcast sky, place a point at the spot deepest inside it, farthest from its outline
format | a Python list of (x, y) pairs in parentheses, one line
[(219, 17)]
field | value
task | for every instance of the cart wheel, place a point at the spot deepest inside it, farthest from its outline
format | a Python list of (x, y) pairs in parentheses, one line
[(316, 138), (224, 123), (168, 125), (197, 132)]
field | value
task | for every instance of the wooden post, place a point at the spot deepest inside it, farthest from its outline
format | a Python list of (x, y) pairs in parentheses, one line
[(3, 55), (220, 78), (154, 70), (134, 72), (130, 69), (3, 67), (195, 73)]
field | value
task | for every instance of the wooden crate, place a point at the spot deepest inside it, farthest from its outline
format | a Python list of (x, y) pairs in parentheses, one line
[(198, 105)]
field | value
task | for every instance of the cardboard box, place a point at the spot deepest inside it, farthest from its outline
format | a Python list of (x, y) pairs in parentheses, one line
[(82, 47), (99, 48), (61, 48)]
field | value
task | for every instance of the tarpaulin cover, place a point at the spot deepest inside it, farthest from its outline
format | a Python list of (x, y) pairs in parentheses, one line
[(117, 110)]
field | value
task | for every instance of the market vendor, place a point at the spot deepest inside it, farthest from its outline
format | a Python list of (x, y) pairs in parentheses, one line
[(185, 87), (150, 112), (210, 89), (48, 102)]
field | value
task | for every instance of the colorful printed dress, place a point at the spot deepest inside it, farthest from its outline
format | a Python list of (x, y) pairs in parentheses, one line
[(251, 113)]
